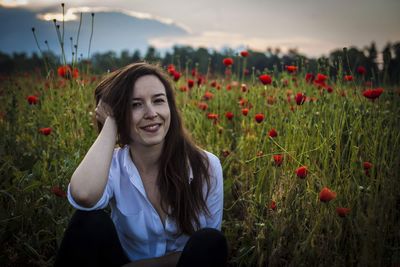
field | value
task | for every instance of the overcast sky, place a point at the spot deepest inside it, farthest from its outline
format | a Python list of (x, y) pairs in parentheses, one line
[(314, 27)]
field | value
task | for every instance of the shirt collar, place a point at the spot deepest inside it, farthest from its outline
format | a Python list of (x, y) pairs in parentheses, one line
[(133, 172)]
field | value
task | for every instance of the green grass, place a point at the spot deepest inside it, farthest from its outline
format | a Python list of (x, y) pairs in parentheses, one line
[(332, 136)]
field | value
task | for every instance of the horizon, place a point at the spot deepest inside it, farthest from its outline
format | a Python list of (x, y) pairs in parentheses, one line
[(316, 32)]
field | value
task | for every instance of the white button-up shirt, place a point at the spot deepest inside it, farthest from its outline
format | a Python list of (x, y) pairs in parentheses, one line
[(139, 227)]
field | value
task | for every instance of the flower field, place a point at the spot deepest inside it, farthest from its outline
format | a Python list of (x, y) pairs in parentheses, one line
[(311, 162)]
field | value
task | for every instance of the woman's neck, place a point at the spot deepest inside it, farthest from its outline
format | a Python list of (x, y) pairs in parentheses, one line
[(146, 159)]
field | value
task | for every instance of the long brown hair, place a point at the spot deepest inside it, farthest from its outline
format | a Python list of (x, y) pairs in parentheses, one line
[(185, 200)]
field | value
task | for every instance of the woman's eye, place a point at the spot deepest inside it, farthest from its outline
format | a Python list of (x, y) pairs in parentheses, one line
[(159, 100), (136, 104)]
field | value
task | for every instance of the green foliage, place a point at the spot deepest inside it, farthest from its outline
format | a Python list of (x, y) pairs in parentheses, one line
[(332, 136)]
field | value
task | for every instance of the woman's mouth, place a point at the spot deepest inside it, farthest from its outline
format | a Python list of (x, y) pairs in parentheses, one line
[(151, 128)]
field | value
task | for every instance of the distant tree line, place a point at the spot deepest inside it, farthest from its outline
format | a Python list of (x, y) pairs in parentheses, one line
[(381, 67)]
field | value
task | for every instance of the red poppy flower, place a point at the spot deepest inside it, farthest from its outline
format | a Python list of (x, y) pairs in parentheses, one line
[(244, 53), (64, 71), (243, 88), (213, 84), (225, 153), (300, 98), (291, 68), (278, 159), (373, 93), (176, 75), (56, 190), (171, 69), (200, 80), (229, 115), (265, 79), (367, 165), (361, 70), (245, 111), (203, 106), (348, 78), (243, 102), (272, 133), (227, 61), (310, 77), (301, 172), (259, 117), (67, 72), (32, 99), (208, 95), (326, 195), (190, 83), (272, 205), (328, 88), (45, 131), (321, 78), (183, 88), (342, 212), (75, 73), (212, 116)]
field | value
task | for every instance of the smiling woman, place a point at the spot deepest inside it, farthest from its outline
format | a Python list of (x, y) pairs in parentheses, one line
[(150, 113), (166, 194)]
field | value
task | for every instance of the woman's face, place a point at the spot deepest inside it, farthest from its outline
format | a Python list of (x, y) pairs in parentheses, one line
[(151, 115)]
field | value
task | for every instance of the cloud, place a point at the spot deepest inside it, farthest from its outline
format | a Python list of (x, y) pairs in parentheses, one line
[(219, 40), (13, 3), (71, 14)]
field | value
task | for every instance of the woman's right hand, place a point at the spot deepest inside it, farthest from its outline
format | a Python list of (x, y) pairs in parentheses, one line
[(103, 110)]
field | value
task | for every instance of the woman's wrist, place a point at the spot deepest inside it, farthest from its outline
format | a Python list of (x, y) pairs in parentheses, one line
[(110, 126)]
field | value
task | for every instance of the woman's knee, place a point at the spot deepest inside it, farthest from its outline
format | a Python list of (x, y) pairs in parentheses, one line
[(91, 224), (211, 236), (206, 247)]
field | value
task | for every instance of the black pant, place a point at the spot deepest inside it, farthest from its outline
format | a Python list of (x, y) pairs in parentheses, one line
[(91, 240)]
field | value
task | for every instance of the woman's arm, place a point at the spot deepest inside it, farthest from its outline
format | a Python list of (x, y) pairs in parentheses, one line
[(164, 261), (90, 178)]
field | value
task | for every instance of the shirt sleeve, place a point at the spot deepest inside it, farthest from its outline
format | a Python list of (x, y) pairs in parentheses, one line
[(215, 199), (108, 191)]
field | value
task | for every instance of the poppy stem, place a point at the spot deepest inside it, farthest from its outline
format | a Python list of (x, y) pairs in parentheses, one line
[(91, 36), (77, 38), (40, 50), (285, 150)]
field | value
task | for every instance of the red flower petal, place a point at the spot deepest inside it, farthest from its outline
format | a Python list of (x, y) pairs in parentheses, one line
[(301, 172), (326, 195), (272, 133), (244, 53), (342, 212), (32, 99), (265, 79), (227, 61), (259, 117), (278, 159), (367, 165), (229, 115), (45, 131)]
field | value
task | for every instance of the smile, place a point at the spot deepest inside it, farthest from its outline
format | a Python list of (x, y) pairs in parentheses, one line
[(151, 127)]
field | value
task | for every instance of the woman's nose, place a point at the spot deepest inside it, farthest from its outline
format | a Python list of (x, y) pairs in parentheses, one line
[(150, 112)]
